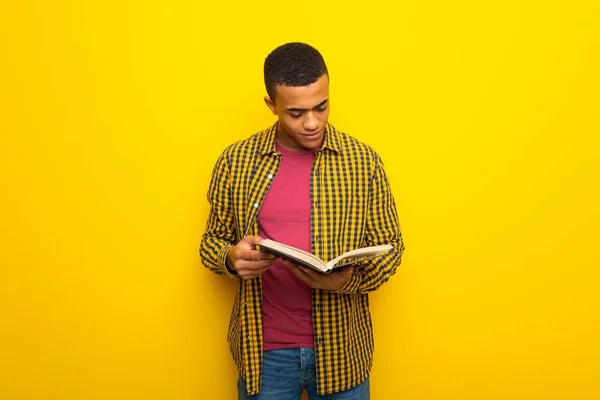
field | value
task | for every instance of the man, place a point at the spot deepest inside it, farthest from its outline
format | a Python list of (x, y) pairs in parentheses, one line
[(304, 183)]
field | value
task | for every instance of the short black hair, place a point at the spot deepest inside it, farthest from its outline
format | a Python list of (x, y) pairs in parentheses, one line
[(293, 64)]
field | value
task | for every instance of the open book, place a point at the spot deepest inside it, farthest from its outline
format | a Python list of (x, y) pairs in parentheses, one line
[(306, 259)]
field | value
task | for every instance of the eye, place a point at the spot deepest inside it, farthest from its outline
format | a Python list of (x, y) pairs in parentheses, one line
[(322, 108), (296, 115)]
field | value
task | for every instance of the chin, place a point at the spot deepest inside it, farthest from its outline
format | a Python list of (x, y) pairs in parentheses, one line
[(310, 141), (311, 144)]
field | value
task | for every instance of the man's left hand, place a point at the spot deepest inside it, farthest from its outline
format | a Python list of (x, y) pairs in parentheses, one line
[(332, 281)]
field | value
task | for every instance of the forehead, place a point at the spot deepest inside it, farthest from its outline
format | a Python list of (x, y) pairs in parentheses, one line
[(303, 96)]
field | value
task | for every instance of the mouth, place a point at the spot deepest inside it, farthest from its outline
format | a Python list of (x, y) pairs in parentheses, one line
[(311, 136)]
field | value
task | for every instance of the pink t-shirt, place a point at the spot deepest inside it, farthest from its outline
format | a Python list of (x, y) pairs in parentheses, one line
[(285, 216)]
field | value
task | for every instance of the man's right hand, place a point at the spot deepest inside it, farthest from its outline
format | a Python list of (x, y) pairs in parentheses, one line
[(248, 262)]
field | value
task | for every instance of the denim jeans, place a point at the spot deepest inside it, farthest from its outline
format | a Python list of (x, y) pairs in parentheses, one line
[(287, 372)]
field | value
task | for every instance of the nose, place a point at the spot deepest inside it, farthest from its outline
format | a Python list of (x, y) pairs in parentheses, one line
[(311, 123)]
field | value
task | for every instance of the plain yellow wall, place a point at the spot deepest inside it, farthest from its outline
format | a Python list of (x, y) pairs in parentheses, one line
[(112, 114)]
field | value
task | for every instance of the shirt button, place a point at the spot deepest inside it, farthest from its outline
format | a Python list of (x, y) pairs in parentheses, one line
[(255, 205), (270, 176)]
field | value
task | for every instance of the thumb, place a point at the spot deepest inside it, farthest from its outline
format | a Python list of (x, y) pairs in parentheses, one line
[(252, 240)]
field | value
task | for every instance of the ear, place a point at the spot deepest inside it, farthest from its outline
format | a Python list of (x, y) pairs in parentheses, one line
[(271, 104)]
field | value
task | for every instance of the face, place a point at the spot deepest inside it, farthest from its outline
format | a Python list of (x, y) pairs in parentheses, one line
[(302, 113)]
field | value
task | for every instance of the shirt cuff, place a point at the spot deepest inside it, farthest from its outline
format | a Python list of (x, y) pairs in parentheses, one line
[(352, 285), (223, 261)]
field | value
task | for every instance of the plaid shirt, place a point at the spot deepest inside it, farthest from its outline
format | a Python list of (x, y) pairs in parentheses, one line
[(352, 207)]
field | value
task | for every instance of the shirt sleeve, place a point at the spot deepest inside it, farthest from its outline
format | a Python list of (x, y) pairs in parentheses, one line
[(382, 227), (219, 236)]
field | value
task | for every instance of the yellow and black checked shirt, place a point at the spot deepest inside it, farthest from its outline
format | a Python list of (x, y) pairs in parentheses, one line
[(352, 207)]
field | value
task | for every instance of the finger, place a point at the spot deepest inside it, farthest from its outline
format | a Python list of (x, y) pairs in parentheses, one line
[(252, 241), (254, 273), (314, 276), (345, 271), (248, 254), (253, 264), (299, 273), (263, 255)]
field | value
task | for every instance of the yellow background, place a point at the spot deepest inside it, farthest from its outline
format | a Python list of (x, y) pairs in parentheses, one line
[(112, 114)]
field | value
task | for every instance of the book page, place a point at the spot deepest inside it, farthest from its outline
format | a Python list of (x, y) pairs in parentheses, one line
[(365, 252), (297, 255)]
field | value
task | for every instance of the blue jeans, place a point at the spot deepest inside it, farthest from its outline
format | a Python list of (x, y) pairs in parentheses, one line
[(287, 372)]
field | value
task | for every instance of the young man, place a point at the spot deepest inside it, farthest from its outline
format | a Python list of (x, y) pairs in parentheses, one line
[(304, 183)]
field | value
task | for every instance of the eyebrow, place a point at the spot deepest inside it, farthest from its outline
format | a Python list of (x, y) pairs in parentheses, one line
[(296, 109)]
